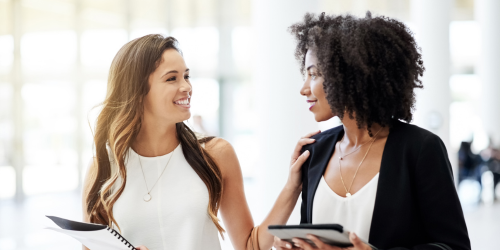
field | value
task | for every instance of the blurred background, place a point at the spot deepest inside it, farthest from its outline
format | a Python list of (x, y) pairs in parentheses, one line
[(55, 56)]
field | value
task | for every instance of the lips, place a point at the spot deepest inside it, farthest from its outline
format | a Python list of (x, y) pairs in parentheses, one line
[(183, 102), (311, 103)]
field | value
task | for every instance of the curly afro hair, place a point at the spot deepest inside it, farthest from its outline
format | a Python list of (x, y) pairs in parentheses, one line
[(370, 65)]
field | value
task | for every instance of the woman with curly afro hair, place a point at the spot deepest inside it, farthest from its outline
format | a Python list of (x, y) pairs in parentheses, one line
[(388, 182)]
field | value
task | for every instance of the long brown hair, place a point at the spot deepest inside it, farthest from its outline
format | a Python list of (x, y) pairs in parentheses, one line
[(120, 120)]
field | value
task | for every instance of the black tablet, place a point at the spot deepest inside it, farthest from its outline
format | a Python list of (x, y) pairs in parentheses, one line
[(332, 234)]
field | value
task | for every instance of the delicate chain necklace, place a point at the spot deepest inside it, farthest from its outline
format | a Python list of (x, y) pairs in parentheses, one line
[(147, 197), (359, 147), (348, 193)]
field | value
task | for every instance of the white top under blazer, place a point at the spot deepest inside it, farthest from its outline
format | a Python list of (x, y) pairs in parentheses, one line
[(176, 217), (353, 213)]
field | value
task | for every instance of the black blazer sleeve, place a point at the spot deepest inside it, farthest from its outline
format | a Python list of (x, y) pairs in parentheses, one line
[(437, 199), (437, 196)]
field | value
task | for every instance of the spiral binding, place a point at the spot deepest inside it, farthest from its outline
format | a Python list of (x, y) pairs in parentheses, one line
[(120, 237)]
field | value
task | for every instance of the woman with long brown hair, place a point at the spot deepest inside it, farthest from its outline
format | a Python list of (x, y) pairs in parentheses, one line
[(152, 178)]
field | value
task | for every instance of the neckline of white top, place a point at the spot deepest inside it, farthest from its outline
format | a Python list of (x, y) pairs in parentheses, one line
[(353, 196), (146, 158)]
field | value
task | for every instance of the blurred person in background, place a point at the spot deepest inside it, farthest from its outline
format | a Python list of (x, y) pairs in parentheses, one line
[(152, 178), (386, 181), (468, 163), (472, 166), (490, 157)]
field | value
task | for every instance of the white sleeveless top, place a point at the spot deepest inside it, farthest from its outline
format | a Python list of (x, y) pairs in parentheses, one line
[(176, 217), (354, 213)]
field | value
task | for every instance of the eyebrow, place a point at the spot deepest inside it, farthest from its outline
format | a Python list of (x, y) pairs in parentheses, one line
[(173, 71), (310, 66)]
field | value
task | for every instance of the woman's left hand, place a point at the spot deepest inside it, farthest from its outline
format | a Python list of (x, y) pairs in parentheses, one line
[(358, 244), (295, 176)]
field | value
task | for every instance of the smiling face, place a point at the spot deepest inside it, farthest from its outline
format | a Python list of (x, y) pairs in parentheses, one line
[(313, 89), (170, 91)]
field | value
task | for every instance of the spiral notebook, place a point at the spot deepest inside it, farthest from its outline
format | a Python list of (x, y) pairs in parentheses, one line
[(93, 236)]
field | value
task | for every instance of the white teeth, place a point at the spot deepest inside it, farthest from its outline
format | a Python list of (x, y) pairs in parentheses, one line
[(182, 102)]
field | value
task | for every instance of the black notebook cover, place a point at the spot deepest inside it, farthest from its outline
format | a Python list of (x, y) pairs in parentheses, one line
[(75, 225), (93, 236)]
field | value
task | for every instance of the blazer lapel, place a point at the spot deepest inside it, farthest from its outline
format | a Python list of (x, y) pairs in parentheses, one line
[(320, 156), (388, 177)]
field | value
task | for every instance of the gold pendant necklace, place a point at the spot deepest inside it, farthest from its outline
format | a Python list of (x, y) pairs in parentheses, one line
[(348, 193), (359, 147), (147, 197)]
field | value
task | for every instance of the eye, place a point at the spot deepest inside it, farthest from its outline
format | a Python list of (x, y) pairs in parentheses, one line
[(173, 78), (187, 77), (313, 76)]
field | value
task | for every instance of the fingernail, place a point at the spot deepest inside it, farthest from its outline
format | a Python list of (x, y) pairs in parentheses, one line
[(288, 246), (354, 236), (306, 152), (312, 139)]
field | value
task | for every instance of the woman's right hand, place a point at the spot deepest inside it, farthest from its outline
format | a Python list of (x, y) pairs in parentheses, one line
[(295, 177), (281, 244), (141, 248)]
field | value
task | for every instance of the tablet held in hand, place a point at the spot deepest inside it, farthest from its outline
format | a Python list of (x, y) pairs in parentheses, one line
[(332, 234)]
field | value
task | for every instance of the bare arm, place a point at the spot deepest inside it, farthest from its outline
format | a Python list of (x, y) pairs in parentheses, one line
[(234, 208), (87, 185)]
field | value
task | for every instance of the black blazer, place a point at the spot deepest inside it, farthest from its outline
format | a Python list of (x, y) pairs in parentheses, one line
[(416, 205)]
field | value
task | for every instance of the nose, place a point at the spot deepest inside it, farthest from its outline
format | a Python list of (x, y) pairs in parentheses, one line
[(306, 88), (186, 86)]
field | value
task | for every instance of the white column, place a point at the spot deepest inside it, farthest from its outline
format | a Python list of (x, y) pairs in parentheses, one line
[(430, 23), (17, 107), (226, 70), (489, 66), (282, 111)]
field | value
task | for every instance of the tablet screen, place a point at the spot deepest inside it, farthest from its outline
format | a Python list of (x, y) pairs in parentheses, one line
[(332, 234)]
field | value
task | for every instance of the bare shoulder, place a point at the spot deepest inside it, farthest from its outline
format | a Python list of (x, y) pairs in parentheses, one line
[(218, 147), (222, 152)]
